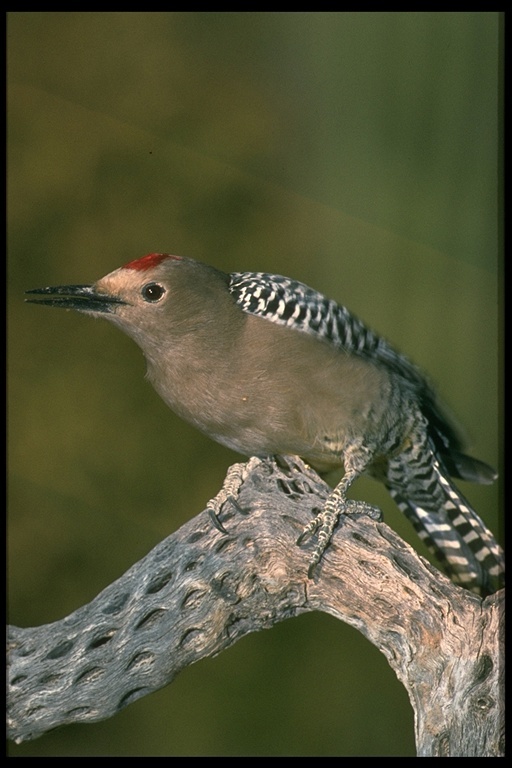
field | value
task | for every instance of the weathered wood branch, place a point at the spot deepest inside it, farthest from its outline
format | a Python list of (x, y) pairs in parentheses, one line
[(200, 590)]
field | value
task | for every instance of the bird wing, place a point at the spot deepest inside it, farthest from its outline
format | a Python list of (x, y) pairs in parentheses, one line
[(293, 304)]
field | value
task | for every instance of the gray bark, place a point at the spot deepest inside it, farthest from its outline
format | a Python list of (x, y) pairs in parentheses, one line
[(201, 589)]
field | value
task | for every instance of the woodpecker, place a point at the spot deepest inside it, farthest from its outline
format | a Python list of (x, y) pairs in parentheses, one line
[(267, 366)]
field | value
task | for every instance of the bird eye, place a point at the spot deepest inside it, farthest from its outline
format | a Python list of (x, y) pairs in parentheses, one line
[(152, 292)]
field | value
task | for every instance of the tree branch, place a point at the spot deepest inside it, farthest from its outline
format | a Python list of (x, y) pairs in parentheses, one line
[(200, 590)]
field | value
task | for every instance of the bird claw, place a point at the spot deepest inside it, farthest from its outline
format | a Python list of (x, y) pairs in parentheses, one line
[(310, 528), (235, 476), (214, 518), (326, 521)]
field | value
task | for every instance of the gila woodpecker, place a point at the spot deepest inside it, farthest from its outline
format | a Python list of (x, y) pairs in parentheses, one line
[(267, 366)]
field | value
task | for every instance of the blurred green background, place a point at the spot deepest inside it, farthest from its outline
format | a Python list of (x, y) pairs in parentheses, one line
[(357, 152)]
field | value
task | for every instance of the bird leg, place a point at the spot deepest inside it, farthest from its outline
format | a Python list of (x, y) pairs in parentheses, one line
[(327, 519)]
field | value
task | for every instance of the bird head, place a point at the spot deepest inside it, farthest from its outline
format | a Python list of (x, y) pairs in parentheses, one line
[(153, 299)]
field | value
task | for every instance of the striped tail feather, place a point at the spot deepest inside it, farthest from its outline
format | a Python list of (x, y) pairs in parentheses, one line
[(446, 523)]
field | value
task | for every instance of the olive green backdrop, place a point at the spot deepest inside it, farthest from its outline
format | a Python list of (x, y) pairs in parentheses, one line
[(357, 152)]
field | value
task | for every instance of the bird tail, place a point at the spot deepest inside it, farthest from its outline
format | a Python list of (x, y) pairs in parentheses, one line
[(445, 521)]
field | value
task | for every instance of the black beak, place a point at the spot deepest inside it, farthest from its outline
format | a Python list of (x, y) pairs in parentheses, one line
[(81, 297)]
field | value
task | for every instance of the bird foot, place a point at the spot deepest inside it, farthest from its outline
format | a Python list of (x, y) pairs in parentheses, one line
[(235, 476), (327, 520)]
